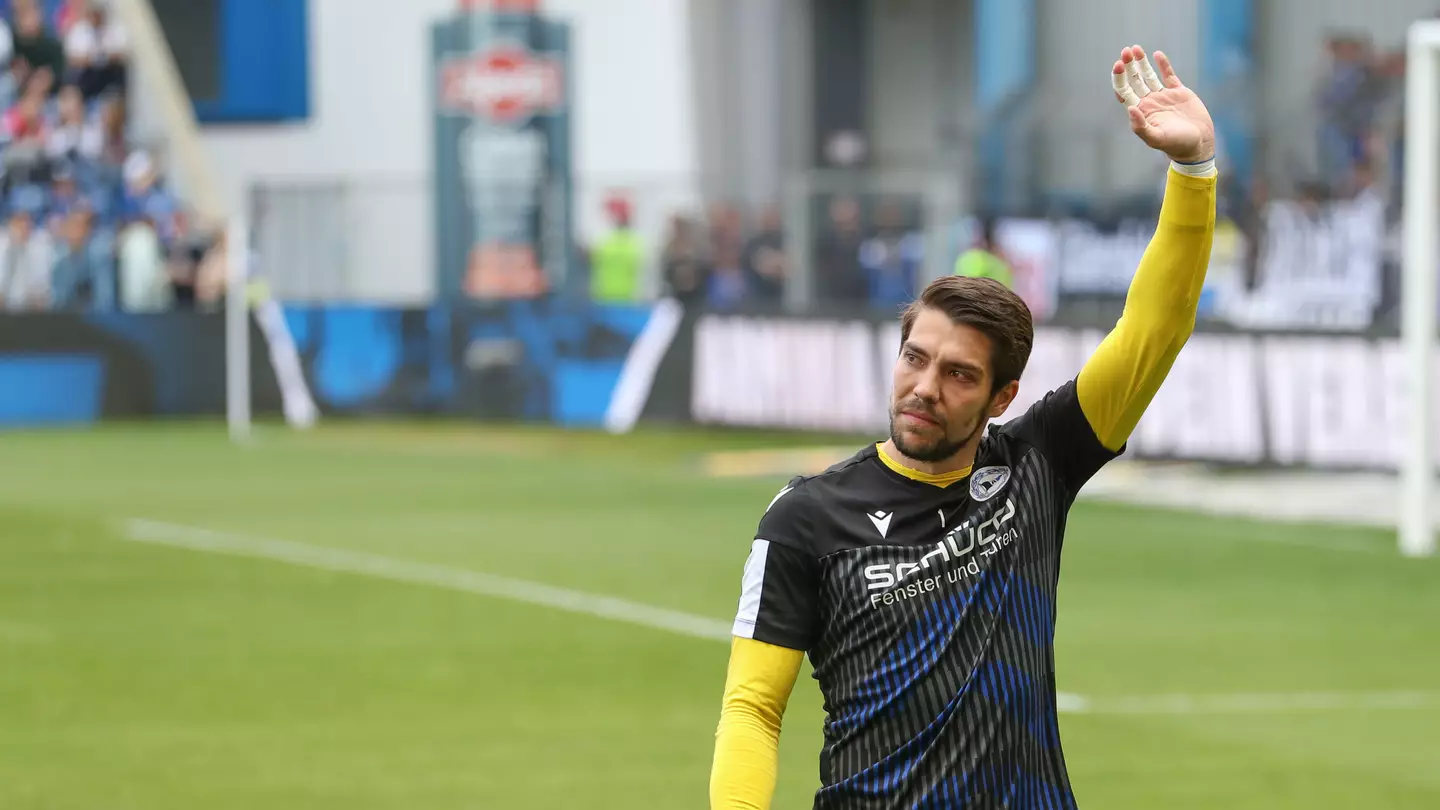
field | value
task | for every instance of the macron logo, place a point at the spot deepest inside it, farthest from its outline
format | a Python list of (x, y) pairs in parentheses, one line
[(881, 521)]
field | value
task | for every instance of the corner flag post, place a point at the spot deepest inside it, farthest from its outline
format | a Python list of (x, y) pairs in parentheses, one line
[(237, 331)]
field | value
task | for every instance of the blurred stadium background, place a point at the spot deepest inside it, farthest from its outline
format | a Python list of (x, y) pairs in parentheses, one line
[(548, 298)]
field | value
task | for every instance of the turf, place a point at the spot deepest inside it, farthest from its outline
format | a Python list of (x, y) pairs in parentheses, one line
[(136, 676)]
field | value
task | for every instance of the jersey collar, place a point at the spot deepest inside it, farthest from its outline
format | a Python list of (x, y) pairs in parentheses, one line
[(935, 479)]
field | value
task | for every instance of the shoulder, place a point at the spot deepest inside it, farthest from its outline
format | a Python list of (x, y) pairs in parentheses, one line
[(1058, 405), (796, 511), (1056, 428)]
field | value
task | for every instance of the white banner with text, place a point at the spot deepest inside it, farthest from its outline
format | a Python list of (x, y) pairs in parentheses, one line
[(1307, 401)]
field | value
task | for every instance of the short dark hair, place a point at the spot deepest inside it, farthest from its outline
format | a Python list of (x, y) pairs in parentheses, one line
[(989, 306)]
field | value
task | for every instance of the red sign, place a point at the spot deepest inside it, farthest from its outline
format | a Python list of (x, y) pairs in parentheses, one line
[(508, 84)]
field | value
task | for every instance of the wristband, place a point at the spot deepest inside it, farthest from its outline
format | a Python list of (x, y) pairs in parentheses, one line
[(1204, 168)]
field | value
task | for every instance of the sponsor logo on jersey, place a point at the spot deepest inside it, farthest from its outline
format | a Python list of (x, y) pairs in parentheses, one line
[(989, 536), (987, 481)]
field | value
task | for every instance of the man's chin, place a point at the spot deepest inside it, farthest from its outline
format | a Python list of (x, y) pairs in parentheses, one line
[(928, 449)]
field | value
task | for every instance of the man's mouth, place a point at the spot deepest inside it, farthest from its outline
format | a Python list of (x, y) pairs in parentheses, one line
[(921, 418)]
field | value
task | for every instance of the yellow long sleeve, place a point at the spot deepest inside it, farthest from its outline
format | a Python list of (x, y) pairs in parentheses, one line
[(1121, 377), (758, 684)]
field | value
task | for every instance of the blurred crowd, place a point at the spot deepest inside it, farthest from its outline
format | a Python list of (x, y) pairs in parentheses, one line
[(89, 222), (1361, 110), (869, 251)]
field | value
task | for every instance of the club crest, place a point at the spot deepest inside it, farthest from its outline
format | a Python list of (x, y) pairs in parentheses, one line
[(987, 481)]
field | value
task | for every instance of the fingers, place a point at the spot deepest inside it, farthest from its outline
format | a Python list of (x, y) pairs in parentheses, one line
[(1132, 72), (1120, 81), (1138, 124), (1147, 72), (1133, 77), (1167, 70)]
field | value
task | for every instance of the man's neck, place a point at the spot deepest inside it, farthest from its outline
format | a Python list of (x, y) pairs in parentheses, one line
[(963, 459)]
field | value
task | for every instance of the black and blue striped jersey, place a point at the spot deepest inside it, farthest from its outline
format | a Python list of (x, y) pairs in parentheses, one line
[(928, 613)]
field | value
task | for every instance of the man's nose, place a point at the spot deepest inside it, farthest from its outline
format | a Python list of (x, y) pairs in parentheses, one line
[(927, 386)]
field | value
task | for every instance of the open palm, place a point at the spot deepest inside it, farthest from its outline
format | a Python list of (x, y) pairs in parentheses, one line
[(1164, 113)]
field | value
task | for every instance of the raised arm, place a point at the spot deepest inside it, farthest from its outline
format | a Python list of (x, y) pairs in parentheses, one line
[(1121, 378)]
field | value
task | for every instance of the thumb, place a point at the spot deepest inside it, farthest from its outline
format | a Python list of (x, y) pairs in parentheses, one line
[(1138, 124)]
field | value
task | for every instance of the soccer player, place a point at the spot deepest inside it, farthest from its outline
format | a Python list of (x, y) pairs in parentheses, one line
[(920, 575)]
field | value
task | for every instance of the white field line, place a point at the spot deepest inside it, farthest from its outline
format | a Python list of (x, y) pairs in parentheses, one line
[(605, 607), (439, 576)]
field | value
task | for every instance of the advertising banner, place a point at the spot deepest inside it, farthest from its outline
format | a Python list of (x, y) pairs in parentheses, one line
[(1301, 266), (63, 368), (545, 359), (501, 89), (1317, 401)]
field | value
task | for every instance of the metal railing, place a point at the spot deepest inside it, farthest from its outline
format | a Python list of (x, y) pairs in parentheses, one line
[(330, 239)]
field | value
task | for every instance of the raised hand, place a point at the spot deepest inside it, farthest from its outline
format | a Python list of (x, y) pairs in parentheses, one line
[(1164, 113)]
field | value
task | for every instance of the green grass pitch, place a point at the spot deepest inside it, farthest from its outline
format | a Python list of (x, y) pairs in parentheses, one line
[(140, 677)]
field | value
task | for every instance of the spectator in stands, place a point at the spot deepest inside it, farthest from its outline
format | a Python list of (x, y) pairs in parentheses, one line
[(114, 142), (985, 259), (616, 261), (97, 51), (764, 259), (84, 274), (839, 278), (212, 272), (143, 283), (27, 131), (34, 43), (69, 13), (76, 136), (1388, 148), (145, 199), (27, 254), (725, 288), (12, 81), (1347, 107), (183, 256), (892, 259), (684, 263), (65, 199)]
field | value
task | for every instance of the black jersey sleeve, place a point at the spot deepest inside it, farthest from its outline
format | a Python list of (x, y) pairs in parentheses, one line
[(779, 592), (1057, 427)]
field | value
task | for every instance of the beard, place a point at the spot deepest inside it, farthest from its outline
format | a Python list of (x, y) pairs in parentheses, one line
[(934, 448)]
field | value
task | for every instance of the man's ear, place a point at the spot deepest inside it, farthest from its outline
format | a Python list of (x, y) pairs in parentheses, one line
[(1002, 398)]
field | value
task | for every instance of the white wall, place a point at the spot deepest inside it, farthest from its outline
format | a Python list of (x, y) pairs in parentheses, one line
[(1089, 145), (371, 123), (921, 79)]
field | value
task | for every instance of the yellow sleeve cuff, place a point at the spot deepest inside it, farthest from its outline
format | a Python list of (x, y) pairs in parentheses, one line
[(1189, 201)]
